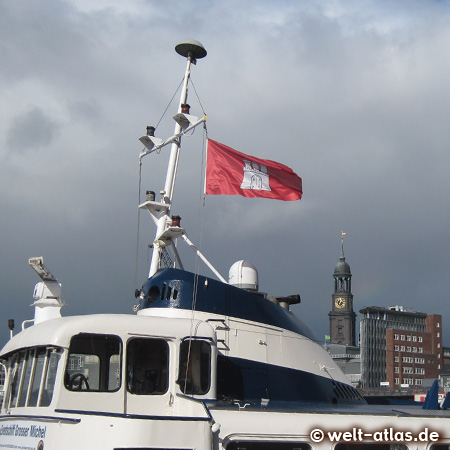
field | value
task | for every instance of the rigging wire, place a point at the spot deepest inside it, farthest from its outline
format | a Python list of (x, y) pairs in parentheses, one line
[(198, 98), (201, 215), (201, 226), (136, 265), (171, 100)]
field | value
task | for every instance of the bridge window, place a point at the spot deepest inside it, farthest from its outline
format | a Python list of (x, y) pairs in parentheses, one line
[(195, 367), (2, 381), (32, 379), (93, 363), (147, 366)]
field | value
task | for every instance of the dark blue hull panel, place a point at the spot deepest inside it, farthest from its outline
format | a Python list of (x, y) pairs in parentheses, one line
[(174, 288), (241, 379)]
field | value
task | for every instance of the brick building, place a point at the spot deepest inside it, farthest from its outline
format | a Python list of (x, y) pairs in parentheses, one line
[(413, 356), (399, 346)]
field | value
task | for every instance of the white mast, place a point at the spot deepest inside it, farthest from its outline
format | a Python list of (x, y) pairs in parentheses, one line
[(192, 50)]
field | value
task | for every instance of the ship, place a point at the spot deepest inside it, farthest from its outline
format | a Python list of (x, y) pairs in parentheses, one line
[(201, 363)]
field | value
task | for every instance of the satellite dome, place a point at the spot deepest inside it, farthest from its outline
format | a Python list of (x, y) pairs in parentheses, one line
[(244, 275)]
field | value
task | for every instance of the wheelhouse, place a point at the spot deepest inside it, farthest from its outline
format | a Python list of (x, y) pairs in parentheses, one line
[(90, 363)]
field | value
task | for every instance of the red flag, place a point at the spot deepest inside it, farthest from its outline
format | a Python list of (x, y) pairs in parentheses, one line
[(233, 173)]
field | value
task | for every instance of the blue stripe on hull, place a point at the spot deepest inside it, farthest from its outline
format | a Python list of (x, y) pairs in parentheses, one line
[(240, 379)]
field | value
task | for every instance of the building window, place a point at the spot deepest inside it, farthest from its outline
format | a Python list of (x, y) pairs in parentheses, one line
[(402, 348), (408, 349), (414, 338), (402, 337), (396, 358), (418, 381), (438, 324), (396, 337), (414, 349), (420, 338), (408, 338), (407, 370), (396, 348), (438, 345), (397, 381), (420, 371), (420, 350), (438, 334), (396, 369)]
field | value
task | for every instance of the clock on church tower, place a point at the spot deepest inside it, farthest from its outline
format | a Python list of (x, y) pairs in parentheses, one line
[(342, 316)]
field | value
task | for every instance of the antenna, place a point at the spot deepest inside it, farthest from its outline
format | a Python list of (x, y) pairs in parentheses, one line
[(47, 294), (192, 50)]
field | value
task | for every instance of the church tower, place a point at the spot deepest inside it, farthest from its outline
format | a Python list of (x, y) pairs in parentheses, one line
[(342, 317)]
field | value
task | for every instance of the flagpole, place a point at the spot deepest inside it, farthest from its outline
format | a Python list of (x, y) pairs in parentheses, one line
[(206, 169), (192, 50)]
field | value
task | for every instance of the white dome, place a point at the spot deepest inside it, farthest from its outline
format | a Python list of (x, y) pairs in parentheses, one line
[(243, 274)]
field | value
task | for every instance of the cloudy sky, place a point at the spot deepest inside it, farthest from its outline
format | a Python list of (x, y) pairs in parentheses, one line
[(354, 95)]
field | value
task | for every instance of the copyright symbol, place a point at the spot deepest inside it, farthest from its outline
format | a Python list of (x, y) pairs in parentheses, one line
[(316, 435)]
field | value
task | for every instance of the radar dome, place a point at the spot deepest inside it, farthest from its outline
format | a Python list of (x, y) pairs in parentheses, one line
[(243, 274)]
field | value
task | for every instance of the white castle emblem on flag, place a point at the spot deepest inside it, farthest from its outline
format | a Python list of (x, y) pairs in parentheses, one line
[(255, 176)]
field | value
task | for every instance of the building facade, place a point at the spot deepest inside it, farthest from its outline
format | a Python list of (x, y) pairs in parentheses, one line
[(399, 347), (348, 360)]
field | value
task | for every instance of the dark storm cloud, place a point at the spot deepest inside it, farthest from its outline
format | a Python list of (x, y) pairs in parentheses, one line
[(30, 131), (352, 95)]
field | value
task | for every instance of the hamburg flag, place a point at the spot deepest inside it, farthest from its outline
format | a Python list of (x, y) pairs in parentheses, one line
[(230, 172)]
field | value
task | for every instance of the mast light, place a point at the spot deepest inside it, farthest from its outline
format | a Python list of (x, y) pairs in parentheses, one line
[(149, 140), (184, 119), (176, 221)]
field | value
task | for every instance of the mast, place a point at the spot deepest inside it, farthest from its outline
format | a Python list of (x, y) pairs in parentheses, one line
[(192, 50)]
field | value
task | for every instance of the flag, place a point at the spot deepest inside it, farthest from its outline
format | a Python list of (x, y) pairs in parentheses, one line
[(230, 172)]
